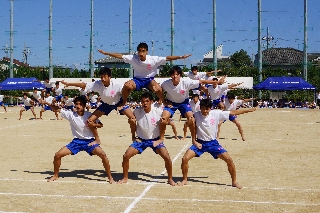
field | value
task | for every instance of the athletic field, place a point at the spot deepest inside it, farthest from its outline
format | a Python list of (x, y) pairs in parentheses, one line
[(278, 167)]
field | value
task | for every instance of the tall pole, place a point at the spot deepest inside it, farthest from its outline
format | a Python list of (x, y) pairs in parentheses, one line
[(214, 46), (305, 56), (130, 37), (268, 38), (50, 42), (11, 38), (259, 44), (91, 65), (172, 28)]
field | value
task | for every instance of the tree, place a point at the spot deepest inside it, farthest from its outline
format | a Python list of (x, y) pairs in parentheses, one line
[(240, 59)]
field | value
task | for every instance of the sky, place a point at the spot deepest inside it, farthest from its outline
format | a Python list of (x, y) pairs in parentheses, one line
[(236, 21)]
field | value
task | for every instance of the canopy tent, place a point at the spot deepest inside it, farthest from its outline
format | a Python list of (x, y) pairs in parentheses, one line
[(21, 84), (284, 83)]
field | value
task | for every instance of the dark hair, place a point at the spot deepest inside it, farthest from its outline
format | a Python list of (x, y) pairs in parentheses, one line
[(57, 82), (175, 69), (25, 94), (82, 100), (147, 95), (194, 68), (207, 103), (231, 96), (195, 95), (142, 45), (105, 71), (214, 79)]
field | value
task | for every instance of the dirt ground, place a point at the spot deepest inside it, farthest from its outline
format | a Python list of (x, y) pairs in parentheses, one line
[(278, 167)]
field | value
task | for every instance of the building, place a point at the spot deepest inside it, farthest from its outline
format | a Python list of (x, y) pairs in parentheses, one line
[(208, 57), (111, 62), (5, 63)]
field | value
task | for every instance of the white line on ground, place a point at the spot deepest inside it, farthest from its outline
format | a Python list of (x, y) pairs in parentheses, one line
[(163, 199), (131, 206), (161, 184)]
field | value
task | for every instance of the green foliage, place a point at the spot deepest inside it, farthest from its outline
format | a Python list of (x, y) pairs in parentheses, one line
[(240, 59)]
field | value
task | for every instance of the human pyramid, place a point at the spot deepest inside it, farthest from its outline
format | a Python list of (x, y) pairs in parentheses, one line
[(148, 122)]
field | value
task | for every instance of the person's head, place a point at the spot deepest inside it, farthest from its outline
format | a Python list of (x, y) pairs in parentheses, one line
[(57, 83), (92, 80), (157, 99), (231, 97), (80, 103), (175, 73), (48, 94), (195, 97), (105, 75), (194, 70), (215, 82), (65, 97), (25, 95), (146, 101), (205, 106), (35, 90), (46, 80), (142, 49)]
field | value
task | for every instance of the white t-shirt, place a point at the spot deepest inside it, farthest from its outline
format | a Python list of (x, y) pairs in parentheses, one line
[(48, 99), (93, 98), (58, 91), (69, 102), (26, 101), (198, 76), (147, 68), (48, 85), (148, 124), (318, 96), (180, 92), (216, 93), (156, 104), (36, 95), (207, 126), (110, 95), (195, 106), (1, 98), (233, 106), (83, 91), (78, 124)]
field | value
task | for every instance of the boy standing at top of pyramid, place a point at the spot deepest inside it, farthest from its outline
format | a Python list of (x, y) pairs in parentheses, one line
[(145, 68)]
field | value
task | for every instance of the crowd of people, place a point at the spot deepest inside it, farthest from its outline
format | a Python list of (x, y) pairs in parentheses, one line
[(212, 103)]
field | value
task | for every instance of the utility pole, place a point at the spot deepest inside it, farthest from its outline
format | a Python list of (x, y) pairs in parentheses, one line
[(11, 38), (259, 44), (50, 42), (91, 65), (214, 46), (305, 54), (130, 37), (172, 28)]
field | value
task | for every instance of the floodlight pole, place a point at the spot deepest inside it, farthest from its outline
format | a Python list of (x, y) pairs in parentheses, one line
[(91, 65), (50, 42), (305, 54), (11, 38), (130, 37), (214, 46), (172, 28), (259, 45)]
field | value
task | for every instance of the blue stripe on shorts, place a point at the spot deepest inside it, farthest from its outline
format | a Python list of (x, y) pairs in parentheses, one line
[(212, 147)]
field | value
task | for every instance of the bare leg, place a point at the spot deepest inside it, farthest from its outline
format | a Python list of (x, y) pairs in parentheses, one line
[(57, 162), (132, 122), (219, 125), (41, 111), (174, 129), (5, 108), (237, 123), (163, 152), (125, 163), (156, 88), (190, 121), (105, 161), (34, 114), (231, 168), (185, 129), (185, 166), (127, 88), (21, 110), (95, 115), (164, 122)]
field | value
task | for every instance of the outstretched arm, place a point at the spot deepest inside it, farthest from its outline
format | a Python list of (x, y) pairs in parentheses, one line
[(231, 86), (213, 71), (115, 55), (80, 84), (242, 111), (172, 57)]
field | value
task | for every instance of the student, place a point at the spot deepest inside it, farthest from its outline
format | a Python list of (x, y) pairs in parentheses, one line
[(204, 138), (36, 95), (177, 89), (231, 103), (47, 102), (109, 90), (48, 86), (58, 91), (2, 104), (83, 139), (148, 132), (195, 107), (145, 68), (68, 103), (28, 104)]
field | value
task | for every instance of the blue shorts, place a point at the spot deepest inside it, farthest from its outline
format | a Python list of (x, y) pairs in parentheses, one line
[(77, 145), (141, 146), (93, 104), (58, 97), (183, 107), (142, 82), (231, 118), (106, 108), (27, 108), (212, 147), (48, 90), (197, 87), (222, 97), (47, 108), (216, 102), (1, 103)]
